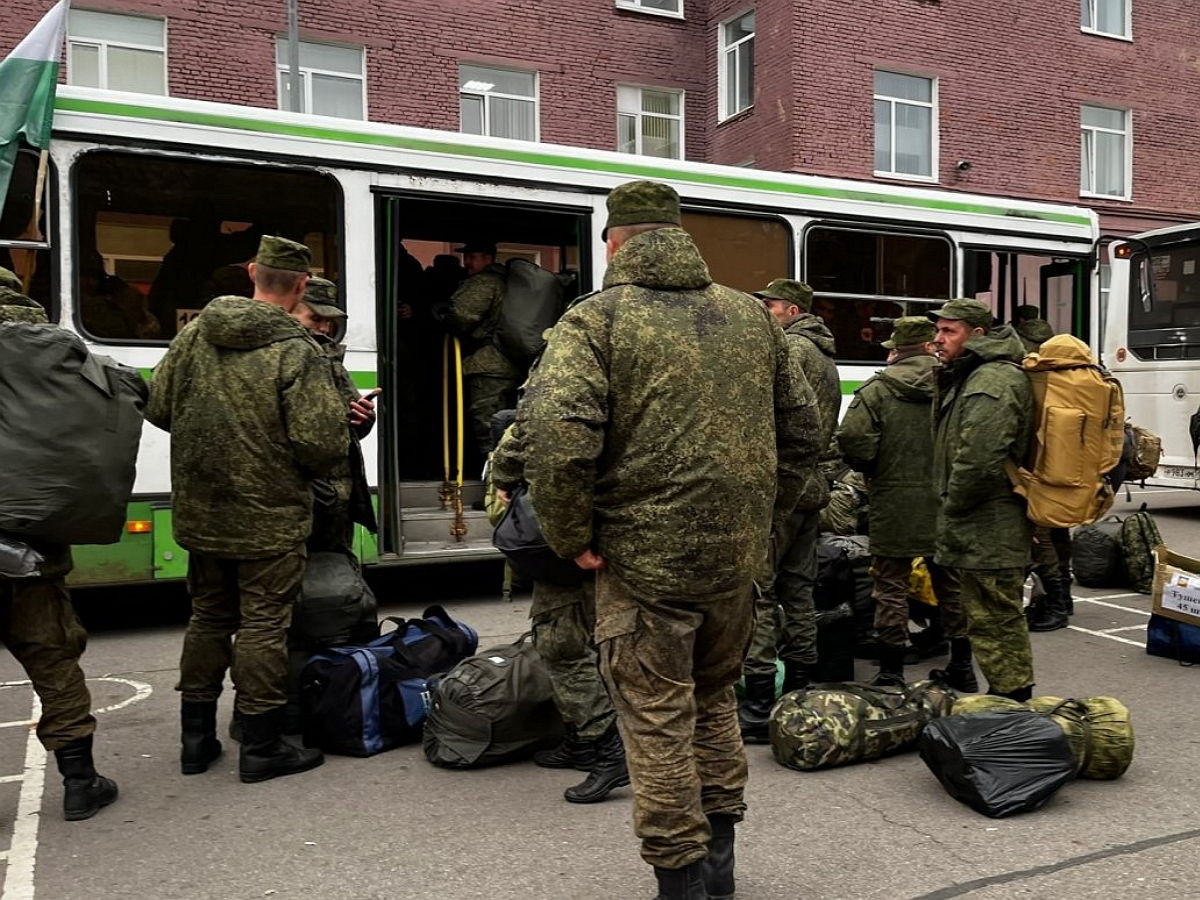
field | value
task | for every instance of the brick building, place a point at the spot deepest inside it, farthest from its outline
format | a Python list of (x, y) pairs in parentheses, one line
[(1085, 102)]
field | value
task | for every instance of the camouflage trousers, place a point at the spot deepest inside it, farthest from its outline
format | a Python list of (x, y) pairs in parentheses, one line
[(251, 598), (564, 619), (891, 575), (996, 626), (487, 395), (784, 621), (1052, 552), (40, 628), (670, 667)]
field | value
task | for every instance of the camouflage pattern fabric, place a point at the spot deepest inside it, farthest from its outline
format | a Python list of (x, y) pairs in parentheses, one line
[(16, 307), (892, 576), (252, 599), (887, 435), (670, 666), (659, 421), (992, 599), (848, 505), (564, 620), (983, 418), (836, 725), (474, 314), (785, 623), (811, 342), (254, 415), (486, 396), (39, 627)]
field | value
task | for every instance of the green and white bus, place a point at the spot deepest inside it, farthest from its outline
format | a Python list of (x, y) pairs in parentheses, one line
[(153, 204)]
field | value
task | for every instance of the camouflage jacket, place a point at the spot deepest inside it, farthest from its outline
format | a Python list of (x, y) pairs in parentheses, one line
[(16, 307), (254, 416), (811, 341), (983, 413), (474, 314), (346, 484), (887, 434), (658, 421)]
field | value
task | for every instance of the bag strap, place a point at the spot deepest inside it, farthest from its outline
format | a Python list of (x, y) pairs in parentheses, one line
[(1086, 723)]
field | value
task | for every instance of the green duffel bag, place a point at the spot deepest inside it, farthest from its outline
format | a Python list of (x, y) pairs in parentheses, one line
[(829, 725)]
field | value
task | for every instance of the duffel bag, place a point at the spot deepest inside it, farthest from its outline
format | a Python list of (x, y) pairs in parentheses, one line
[(492, 708), (335, 605), (519, 537), (1174, 640), (361, 700), (1096, 554)]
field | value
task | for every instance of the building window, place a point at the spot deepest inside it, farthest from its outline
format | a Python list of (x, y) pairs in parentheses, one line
[(1104, 160), (905, 125), (672, 8), (735, 65), (1108, 17), (332, 79), (119, 53), (499, 102), (650, 121)]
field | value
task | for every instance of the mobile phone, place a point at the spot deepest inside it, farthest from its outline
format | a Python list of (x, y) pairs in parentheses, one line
[(372, 394)]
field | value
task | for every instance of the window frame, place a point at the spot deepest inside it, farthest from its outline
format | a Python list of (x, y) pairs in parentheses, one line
[(679, 92), (724, 114), (282, 70), (1092, 130), (484, 95), (1126, 35), (102, 45), (934, 127), (636, 6)]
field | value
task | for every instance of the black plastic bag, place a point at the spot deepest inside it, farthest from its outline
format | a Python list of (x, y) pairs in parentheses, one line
[(18, 559), (1001, 762), (519, 537)]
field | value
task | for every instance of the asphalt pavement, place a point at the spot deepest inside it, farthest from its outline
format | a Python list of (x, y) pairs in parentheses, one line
[(393, 826)]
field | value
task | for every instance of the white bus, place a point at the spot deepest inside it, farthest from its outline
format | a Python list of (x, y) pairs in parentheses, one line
[(1152, 340), (154, 204)]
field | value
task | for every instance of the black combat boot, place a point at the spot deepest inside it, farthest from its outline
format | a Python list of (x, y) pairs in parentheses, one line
[(754, 712), (608, 773), (265, 754), (796, 676), (718, 866), (84, 791), (572, 753), (891, 667), (1053, 614), (1066, 581), (681, 884), (1021, 695), (198, 735), (959, 673)]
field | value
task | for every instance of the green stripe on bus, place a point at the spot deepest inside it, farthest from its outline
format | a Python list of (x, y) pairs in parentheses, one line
[(364, 381), (321, 133), (849, 387)]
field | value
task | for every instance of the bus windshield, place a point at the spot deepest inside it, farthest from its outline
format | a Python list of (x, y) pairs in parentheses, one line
[(1165, 324)]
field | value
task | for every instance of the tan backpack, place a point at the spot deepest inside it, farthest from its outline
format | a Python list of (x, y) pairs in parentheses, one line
[(1079, 431)]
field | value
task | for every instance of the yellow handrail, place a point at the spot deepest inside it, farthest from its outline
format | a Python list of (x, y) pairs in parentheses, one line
[(459, 528), (444, 492)]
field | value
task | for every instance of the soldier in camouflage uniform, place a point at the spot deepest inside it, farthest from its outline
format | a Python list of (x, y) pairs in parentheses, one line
[(474, 313), (255, 417), (39, 627), (982, 414), (886, 435), (785, 621), (661, 420)]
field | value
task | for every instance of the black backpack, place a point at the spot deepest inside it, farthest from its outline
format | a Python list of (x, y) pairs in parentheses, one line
[(492, 708), (833, 601), (1096, 554), (335, 605), (361, 700), (533, 302), (519, 537)]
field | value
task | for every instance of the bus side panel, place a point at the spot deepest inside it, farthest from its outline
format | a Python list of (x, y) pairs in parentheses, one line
[(129, 560)]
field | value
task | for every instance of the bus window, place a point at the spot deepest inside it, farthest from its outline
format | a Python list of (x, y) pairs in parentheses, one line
[(158, 237), (742, 252), (861, 278), (1166, 324), (24, 244), (1006, 280)]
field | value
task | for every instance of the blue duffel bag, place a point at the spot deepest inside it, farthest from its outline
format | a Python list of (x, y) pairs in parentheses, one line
[(361, 700), (1174, 640)]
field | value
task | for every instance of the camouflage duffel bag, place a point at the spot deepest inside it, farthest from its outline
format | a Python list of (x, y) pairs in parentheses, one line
[(837, 724)]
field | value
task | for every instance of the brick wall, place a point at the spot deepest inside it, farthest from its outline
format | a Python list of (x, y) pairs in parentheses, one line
[(1010, 82)]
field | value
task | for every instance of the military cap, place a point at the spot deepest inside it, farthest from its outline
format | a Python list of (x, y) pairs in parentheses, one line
[(1036, 330), (321, 297), (975, 313), (908, 331), (789, 291), (1027, 311), (280, 253), (10, 280), (642, 203), (12, 297), (488, 247)]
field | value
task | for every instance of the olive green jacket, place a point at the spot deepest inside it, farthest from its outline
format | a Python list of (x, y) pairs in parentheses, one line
[(887, 434), (255, 416), (983, 411), (474, 315), (811, 342), (661, 416)]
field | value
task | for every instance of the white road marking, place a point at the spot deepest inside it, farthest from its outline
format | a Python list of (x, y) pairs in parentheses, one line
[(1111, 637), (1111, 596), (1128, 609), (140, 692), (1123, 628), (8, 779), (22, 854)]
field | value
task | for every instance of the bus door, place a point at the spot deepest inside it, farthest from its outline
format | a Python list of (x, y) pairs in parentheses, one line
[(1006, 280), (1064, 300)]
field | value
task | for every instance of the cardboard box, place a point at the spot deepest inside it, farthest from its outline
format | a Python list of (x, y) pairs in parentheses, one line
[(1176, 586)]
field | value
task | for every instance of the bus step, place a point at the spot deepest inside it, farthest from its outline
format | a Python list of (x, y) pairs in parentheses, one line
[(427, 493), (421, 524)]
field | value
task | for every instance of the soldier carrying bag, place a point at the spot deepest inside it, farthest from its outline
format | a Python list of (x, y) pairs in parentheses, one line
[(1079, 415), (533, 302)]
